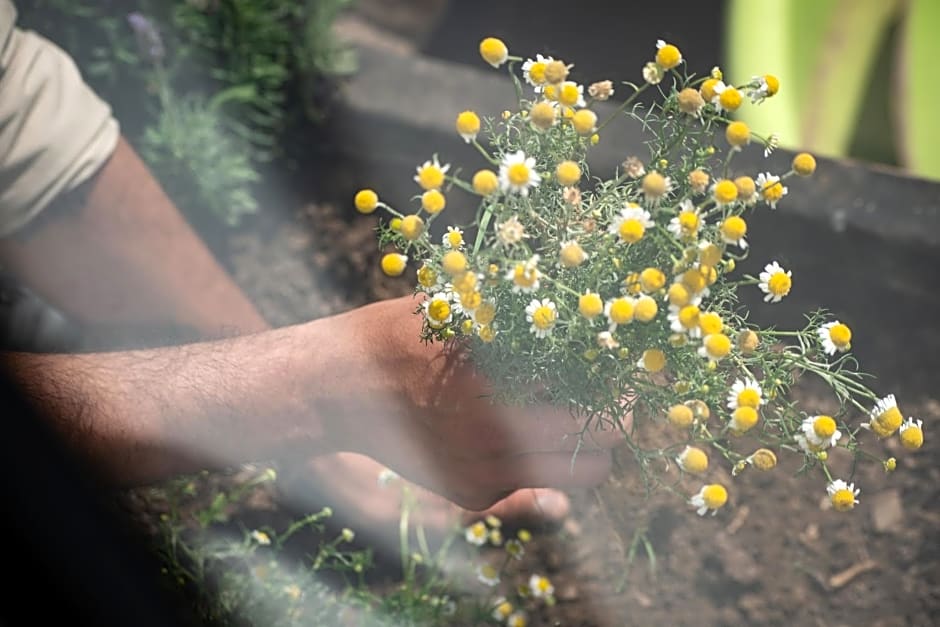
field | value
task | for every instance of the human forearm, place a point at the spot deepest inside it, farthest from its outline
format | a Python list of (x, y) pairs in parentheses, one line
[(145, 415), (117, 251)]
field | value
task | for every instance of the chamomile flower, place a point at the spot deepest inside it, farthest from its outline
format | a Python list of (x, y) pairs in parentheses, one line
[(775, 282), (488, 575), (260, 537), (467, 125), (842, 495), (685, 225), (693, 460), (517, 173), (453, 238), (770, 188), (517, 619), (733, 229), (885, 418), (820, 432), (747, 190), (911, 434), (511, 231), (572, 254), (534, 71), (743, 420), (571, 94), (711, 497), (631, 223), (652, 360), (715, 346), (515, 549), (726, 97), (835, 336), (525, 276), (439, 310), (655, 187), (428, 279), (540, 586), (619, 311), (762, 87), (494, 51), (543, 315), (502, 609), (601, 90), (684, 319), (745, 393), (667, 55), (485, 313), (590, 305), (430, 174)]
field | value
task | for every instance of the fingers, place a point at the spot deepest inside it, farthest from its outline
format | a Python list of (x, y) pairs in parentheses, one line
[(530, 507)]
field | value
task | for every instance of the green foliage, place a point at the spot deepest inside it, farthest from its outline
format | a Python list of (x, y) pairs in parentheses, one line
[(237, 79)]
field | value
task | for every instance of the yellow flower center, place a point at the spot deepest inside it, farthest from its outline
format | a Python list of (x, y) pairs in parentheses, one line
[(631, 230), (466, 281), (804, 164), (542, 114), (454, 262), (773, 84), (654, 359), (454, 238), (572, 255), (738, 134), (555, 72), (725, 192), (366, 201), (688, 316), (699, 409), (890, 420), (693, 280), (690, 101), (590, 305), (717, 345), (550, 92), (646, 309), (714, 496), (584, 121), (668, 57), (485, 313), (912, 438), (431, 177), (680, 416), (779, 284), (694, 460), (537, 72), (568, 173), (698, 179), (543, 317), (485, 182), (708, 89), (824, 427), (733, 228), (493, 51), (710, 323), (621, 311), (652, 279), (393, 264), (749, 397), (730, 99), (426, 276), (487, 333), (412, 227), (843, 500), (772, 191), (438, 310), (678, 295), (524, 277), (743, 419), (709, 255), (688, 222), (748, 341), (654, 185), (468, 123), (764, 459), (433, 201), (518, 174), (746, 187), (569, 94)]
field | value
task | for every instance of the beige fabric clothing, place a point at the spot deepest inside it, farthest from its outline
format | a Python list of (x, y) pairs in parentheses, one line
[(55, 132)]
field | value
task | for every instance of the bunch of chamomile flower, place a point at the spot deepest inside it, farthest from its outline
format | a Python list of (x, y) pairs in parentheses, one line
[(618, 292)]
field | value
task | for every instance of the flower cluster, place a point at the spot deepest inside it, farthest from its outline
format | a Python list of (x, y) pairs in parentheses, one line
[(620, 292)]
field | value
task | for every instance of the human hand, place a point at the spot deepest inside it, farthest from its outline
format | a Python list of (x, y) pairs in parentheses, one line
[(424, 411)]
